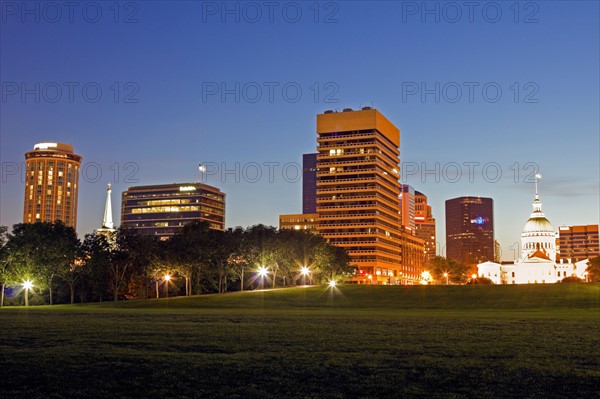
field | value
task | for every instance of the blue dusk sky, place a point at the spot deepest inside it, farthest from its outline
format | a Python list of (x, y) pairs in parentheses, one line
[(147, 90)]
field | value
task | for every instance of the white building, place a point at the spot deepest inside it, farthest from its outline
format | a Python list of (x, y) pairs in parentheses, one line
[(537, 263)]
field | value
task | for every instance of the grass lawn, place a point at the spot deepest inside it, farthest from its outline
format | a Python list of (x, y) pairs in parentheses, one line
[(350, 341)]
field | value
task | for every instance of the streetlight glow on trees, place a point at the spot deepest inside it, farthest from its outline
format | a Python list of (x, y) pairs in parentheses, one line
[(262, 272), (167, 279), (305, 271), (27, 285)]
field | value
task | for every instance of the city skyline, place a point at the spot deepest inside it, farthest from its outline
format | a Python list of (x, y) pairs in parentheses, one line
[(177, 123)]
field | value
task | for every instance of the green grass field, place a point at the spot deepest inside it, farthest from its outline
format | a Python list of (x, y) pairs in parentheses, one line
[(350, 341)]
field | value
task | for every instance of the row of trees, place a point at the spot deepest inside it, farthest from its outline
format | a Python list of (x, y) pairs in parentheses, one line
[(129, 265)]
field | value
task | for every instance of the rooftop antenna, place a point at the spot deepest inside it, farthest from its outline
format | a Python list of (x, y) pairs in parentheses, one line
[(538, 176)]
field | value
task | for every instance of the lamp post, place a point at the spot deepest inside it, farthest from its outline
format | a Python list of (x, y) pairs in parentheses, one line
[(585, 274), (27, 285), (370, 279), (167, 279), (262, 272), (446, 275), (304, 272)]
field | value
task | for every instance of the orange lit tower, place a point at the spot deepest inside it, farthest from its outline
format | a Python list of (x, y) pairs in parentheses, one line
[(51, 184), (358, 188)]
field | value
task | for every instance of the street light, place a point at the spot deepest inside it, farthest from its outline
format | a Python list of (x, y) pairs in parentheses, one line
[(27, 285), (262, 272), (332, 283), (167, 279), (304, 272), (446, 275), (370, 279)]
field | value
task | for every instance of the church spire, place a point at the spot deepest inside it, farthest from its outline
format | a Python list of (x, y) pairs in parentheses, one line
[(107, 222), (537, 204)]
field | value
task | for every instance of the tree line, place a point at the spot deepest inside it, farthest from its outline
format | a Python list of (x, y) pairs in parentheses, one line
[(129, 265)]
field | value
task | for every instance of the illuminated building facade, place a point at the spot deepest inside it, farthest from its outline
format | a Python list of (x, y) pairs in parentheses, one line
[(538, 261), (309, 183), (51, 184), (302, 221), (425, 225), (470, 229), (358, 189), (162, 210), (407, 207), (578, 242), (412, 256)]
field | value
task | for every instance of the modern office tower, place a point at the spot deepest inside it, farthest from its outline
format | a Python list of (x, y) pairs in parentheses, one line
[(162, 210), (51, 184), (470, 229), (358, 189), (309, 183), (578, 242), (302, 221), (407, 207), (425, 225)]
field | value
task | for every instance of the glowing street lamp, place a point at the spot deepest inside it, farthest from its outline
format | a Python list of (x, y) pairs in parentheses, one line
[(370, 279), (446, 275), (305, 271), (167, 279), (332, 283), (27, 285), (262, 272), (473, 276)]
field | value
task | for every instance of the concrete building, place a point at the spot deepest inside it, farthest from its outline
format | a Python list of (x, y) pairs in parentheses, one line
[(358, 188), (425, 225), (577, 242), (407, 207), (162, 210), (51, 184)]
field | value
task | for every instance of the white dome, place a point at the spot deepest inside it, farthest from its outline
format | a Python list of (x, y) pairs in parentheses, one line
[(538, 224)]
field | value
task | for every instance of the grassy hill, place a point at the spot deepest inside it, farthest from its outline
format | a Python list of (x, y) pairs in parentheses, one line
[(350, 341)]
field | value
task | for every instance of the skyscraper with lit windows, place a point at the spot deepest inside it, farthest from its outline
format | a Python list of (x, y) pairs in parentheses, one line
[(357, 191), (470, 229), (51, 184)]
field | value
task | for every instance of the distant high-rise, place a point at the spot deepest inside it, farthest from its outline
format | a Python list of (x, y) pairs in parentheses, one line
[(358, 189), (425, 225), (162, 210), (578, 242), (51, 184), (407, 207), (309, 183), (470, 229)]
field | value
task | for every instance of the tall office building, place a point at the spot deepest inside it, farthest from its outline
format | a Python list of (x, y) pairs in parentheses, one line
[(578, 242), (309, 183), (358, 189), (425, 225), (51, 184), (162, 210), (470, 229), (407, 207)]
